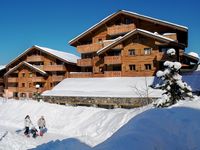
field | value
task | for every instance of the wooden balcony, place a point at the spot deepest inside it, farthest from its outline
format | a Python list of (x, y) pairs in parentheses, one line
[(57, 78), (117, 29), (38, 79), (12, 89), (106, 43), (172, 36), (34, 58), (80, 74), (12, 80), (1, 80), (89, 48), (84, 62), (112, 73), (54, 68), (112, 60)]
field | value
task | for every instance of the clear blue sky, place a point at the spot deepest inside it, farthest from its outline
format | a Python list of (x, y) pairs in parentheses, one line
[(52, 23)]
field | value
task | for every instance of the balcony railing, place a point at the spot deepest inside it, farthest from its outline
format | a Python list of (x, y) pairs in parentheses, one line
[(84, 62), (112, 73), (117, 29), (12, 80), (106, 43), (1, 80), (80, 74), (57, 78), (34, 58), (54, 68), (12, 89), (112, 60), (38, 79), (89, 48)]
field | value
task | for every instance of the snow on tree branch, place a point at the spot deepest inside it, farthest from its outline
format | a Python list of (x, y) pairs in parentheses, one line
[(174, 88)]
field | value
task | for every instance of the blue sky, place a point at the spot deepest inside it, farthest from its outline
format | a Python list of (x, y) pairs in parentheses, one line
[(52, 23)]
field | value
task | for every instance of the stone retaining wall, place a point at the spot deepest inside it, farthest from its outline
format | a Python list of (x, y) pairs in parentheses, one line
[(105, 102)]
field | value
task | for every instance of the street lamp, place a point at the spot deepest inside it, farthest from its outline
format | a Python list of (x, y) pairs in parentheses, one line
[(37, 86)]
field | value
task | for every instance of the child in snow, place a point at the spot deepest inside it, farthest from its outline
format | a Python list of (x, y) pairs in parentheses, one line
[(27, 123), (42, 125), (34, 132)]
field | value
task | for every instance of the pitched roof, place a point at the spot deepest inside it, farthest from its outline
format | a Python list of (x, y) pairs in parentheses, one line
[(135, 31), (133, 14), (28, 65), (67, 57)]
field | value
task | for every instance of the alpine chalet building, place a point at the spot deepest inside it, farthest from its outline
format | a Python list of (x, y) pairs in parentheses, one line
[(37, 69), (127, 44)]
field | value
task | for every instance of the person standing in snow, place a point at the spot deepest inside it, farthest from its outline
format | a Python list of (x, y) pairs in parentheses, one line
[(41, 124), (27, 123)]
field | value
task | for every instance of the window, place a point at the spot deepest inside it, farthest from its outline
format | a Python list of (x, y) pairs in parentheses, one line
[(132, 67), (23, 74), (23, 84), (30, 75), (147, 66), (131, 52), (147, 51), (30, 85), (51, 84)]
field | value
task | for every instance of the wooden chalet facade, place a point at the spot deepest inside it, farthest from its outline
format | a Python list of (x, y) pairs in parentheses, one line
[(2, 72), (37, 66), (128, 44)]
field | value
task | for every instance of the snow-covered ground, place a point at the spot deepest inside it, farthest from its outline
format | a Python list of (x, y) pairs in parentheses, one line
[(85, 128)]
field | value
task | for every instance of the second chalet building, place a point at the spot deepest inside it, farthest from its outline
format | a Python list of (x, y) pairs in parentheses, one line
[(37, 66), (129, 44)]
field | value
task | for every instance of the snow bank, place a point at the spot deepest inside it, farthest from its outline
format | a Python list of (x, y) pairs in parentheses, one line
[(104, 87), (172, 128), (84, 128), (86, 124)]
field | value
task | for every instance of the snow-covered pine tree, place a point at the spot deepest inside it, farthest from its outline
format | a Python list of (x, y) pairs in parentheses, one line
[(175, 89)]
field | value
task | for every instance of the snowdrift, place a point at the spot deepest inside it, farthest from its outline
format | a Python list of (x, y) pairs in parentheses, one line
[(84, 128)]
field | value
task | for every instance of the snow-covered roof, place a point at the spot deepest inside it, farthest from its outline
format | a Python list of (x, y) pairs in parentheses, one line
[(127, 13), (28, 65), (103, 87), (68, 57), (65, 56), (135, 31), (194, 54), (2, 67)]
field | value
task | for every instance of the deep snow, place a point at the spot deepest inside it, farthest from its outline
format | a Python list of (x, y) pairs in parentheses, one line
[(85, 128)]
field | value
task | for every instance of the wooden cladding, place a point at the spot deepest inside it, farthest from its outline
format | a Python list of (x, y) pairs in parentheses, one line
[(117, 29), (89, 47), (12, 80), (84, 62), (172, 36), (53, 68), (35, 58), (1, 80), (112, 60), (80, 74), (112, 73), (57, 78)]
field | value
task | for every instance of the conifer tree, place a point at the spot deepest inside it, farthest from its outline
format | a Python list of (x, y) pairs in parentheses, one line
[(174, 88)]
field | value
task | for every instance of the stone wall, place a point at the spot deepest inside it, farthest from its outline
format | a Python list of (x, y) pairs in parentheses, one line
[(105, 102)]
